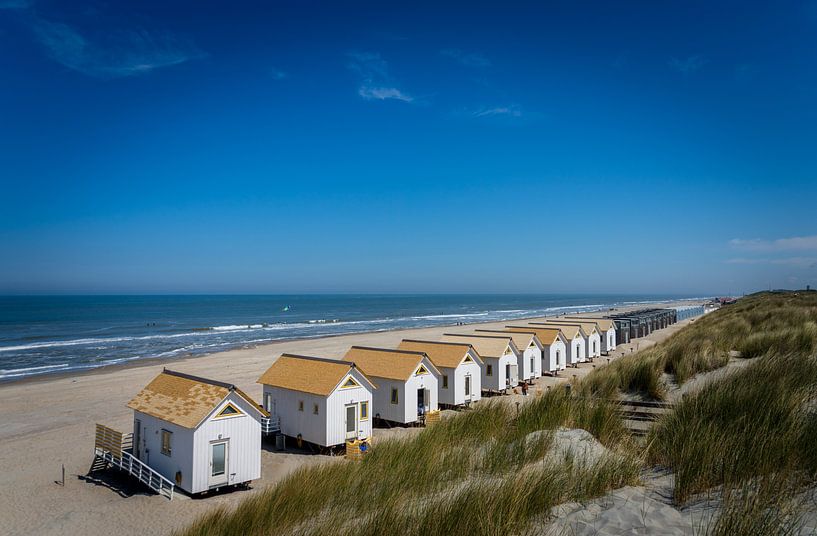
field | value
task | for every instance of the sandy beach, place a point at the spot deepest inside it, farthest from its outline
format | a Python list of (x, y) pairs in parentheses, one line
[(49, 421)]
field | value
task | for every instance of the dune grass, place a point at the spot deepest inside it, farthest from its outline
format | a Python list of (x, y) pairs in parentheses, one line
[(757, 421), (764, 323), (484, 471), (748, 436)]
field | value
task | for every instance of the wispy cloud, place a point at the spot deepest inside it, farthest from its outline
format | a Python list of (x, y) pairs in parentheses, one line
[(797, 243), (278, 74), (508, 111), (383, 93), (800, 262), (110, 54), (376, 83), (116, 54), (471, 59), (689, 64)]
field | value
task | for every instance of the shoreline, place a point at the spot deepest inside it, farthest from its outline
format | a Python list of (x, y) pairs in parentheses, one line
[(49, 424), (141, 362)]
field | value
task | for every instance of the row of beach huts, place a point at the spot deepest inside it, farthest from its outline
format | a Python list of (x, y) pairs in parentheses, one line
[(199, 434)]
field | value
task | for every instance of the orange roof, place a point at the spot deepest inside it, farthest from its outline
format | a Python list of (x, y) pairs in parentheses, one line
[(486, 345), (386, 363), (588, 326), (605, 324), (183, 399), (441, 354), (546, 335), (570, 331), (315, 375), (521, 339)]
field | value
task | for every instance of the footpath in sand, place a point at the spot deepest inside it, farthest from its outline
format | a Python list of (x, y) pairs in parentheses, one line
[(48, 422)]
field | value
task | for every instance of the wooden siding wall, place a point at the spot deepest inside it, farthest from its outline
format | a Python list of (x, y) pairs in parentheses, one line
[(336, 411), (284, 404), (181, 449), (244, 447)]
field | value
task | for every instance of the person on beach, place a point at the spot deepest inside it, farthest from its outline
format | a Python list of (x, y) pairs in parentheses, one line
[(524, 388)]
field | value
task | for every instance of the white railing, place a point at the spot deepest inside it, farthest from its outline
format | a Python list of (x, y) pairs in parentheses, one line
[(270, 425), (139, 470)]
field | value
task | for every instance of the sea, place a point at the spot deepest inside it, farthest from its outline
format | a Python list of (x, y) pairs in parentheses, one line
[(57, 334)]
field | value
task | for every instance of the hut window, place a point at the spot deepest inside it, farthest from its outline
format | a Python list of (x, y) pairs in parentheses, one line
[(314, 409), (490, 370), (350, 383), (166, 446), (229, 411), (300, 405), (445, 381), (393, 395), (364, 411)]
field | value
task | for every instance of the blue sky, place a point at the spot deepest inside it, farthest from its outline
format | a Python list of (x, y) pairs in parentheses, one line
[(663, 147)]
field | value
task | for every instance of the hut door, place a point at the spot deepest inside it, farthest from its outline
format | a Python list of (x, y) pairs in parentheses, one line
[(351, 421), (468, 387), (219, 462)]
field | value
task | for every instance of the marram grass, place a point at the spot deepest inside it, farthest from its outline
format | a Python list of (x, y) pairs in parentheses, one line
[(758, 325), (484, 471), (749, 437)]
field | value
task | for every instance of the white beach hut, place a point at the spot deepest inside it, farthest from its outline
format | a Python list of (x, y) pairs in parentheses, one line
[(575, 343), (407, 382), (323, 401), (607, 330), (530, 348), (590, 332), (460, 367), (500, 358), (554, 346), (199, 433)]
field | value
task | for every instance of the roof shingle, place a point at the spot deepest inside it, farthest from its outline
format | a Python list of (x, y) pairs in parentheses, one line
[(441, 354), (183, 399), (385, 363), (315, 375)]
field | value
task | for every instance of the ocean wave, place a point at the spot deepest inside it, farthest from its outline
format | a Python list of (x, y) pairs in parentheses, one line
[(459, 315), (81, 342), (27, 371)]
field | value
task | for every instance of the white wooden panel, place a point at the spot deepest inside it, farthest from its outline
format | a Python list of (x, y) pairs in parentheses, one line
[(431, 383), (181, 449), (381, 399), (336, 411), (243, 433), (284, 404)]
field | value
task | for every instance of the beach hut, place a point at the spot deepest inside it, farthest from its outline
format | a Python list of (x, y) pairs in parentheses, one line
[(460, 367), (201, 434), (607, 331), (530, 348), (590, 333), (575, 345), (500, 358), (322, 401), (554, 346), (407, 382)]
